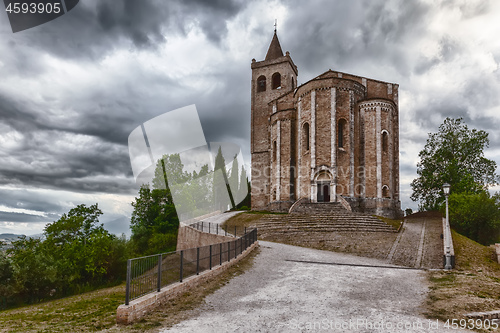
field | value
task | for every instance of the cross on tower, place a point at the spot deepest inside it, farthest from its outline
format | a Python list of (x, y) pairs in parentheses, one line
[(275, 24)]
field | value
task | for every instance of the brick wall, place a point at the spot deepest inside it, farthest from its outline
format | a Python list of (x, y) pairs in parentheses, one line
[(365, 166)]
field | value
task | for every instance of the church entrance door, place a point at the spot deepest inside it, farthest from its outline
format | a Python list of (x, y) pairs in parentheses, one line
[(323, 192), (326, 193)]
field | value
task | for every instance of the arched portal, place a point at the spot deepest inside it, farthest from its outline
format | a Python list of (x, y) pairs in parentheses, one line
[(323, 181)]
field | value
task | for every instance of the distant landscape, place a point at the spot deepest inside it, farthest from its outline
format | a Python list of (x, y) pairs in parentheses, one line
[(7, 239)]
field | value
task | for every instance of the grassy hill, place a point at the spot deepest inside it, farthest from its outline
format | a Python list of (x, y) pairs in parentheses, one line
[(473, 286), (10, 237), (96, 310)]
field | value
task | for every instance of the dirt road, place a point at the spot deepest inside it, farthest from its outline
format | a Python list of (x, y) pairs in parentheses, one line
[(292, 288)]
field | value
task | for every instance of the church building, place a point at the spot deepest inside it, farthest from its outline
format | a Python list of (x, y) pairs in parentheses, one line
[(333, 138)]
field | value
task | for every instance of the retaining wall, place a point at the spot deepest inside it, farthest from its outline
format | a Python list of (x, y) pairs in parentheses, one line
[(189, 237), (140, 307)]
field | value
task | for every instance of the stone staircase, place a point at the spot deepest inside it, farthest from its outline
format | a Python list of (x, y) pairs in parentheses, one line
[(321, 217)]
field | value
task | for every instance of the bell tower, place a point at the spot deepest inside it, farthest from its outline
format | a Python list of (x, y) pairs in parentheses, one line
[(272, 77)]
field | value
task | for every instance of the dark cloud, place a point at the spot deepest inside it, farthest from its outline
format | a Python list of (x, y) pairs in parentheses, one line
[(76, 139), (23, 217), (351, 35), (92, 170), (212, 15), (225, 113), (96, 27), (24, 199)]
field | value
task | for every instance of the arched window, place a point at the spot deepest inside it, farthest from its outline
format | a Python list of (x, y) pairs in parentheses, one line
[(341, 132), (385, 141), (261, 83), (385, 192), (275, 148), (293, 83), (305, 136), (276, 80)]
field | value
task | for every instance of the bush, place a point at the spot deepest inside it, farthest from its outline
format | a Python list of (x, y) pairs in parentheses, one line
[(76, 254), (6, 278), (476, 216)]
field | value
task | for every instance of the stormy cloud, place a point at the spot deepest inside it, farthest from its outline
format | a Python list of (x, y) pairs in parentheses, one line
[(72, 90)]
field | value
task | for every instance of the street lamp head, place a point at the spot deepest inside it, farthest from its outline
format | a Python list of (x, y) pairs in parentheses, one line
[(446, 189)]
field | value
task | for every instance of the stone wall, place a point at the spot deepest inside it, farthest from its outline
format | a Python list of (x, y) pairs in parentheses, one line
[(361, 163), (280, 206), (188, 238), (260, 144)]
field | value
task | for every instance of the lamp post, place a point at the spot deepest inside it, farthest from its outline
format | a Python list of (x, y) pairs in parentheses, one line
[(446, 190)]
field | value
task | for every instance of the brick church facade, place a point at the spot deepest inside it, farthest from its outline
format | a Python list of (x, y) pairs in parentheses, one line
[(333, 138)]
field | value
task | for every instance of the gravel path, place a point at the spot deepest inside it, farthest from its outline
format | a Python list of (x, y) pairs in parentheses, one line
[(433, 246), (292, 288), (221, 218), (216, 219)]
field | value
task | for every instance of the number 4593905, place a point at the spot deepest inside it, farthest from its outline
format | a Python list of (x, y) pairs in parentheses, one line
[(33, 8), (472, 324)]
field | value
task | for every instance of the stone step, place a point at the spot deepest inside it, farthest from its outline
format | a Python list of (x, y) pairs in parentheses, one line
[(321, 217), (306, 225), (292, 216), (331, 229), (300, 231), (330, 223), (318, 207), (323, 220)]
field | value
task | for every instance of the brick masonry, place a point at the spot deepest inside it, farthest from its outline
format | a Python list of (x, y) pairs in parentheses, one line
[(337, 134)]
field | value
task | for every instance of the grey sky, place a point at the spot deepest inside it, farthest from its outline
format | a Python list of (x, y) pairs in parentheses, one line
[(72, 90)]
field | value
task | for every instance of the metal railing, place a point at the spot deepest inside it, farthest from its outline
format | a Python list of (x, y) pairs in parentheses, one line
[(216, 229), (151, 273)]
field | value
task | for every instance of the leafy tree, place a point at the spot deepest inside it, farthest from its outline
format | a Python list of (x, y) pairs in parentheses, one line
[(75, 253), (154, 213), (172, 166), (221, 187), (79, 245), (454, 155), (244, 189), (234, 180), (201, 188), (476, 216), (154, 210), (34, 272), (6, 278)]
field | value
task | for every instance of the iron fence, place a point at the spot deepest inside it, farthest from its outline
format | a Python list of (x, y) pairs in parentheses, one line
[(216, 229), (151, 273)]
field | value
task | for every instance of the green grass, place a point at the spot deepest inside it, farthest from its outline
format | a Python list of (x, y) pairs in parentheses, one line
[(245, 219), (473, 286), (96, 311), (393, 223), (87, 312)]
